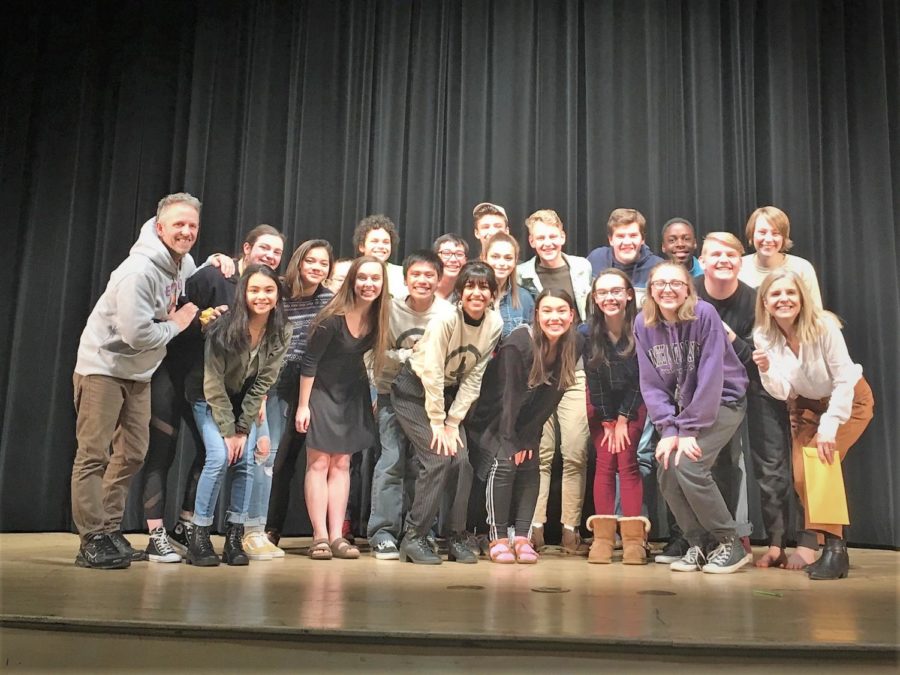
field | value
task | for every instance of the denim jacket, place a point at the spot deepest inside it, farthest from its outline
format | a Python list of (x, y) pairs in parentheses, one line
[(516, 316)]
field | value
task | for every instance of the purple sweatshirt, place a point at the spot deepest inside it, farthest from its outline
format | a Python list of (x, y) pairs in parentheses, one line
[(687, 370)]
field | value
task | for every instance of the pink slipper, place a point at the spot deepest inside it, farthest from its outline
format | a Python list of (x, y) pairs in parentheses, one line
[(525, 554)]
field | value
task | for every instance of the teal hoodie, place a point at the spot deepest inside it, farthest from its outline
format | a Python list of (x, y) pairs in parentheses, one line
[(128, 329)]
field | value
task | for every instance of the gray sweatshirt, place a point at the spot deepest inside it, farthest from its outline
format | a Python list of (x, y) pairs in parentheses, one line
[(128, 329)]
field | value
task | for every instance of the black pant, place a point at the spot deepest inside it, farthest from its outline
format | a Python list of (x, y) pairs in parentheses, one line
[(291, 447), (511, 493), (770, 447)]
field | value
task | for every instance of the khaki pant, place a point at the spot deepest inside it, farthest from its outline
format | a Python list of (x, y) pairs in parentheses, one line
[(806, 414), (113, 411), (571, 416)]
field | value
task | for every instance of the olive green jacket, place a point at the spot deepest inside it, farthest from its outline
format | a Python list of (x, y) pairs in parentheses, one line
[(225, 375)]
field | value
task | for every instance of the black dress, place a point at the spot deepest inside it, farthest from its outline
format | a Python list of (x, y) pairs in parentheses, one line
[(340, 405)]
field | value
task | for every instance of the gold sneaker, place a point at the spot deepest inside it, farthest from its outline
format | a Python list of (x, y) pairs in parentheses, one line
[(256, 546)]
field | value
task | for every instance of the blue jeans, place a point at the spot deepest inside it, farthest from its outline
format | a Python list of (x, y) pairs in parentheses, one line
[(390, 474), (214, 471), (276, 418)]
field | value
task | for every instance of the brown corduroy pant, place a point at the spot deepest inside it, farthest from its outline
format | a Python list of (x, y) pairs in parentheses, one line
[(805, 415)]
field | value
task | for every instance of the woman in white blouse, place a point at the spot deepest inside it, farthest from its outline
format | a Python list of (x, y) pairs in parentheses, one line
[(803, 359)]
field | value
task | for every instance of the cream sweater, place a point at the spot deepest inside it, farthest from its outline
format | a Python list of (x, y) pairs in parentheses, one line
[(453, 353)]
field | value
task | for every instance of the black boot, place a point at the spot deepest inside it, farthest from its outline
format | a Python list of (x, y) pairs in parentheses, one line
[(834, 563), (418, 550), (458, 550), (201, 552), (234, 547)]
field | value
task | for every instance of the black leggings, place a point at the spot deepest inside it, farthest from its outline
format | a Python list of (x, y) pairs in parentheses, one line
[(168, 408)]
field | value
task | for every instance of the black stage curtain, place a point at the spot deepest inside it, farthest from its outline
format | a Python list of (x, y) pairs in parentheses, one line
[(309, 115)]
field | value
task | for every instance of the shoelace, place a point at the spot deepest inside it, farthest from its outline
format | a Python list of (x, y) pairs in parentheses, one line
[(693, 555), (721, 554), (161, 541)]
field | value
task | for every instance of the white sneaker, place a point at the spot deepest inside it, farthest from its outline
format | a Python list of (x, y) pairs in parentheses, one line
[(255, 546), (159, 549)]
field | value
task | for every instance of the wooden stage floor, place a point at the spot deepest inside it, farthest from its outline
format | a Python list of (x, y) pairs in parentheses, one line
[(561, 605)]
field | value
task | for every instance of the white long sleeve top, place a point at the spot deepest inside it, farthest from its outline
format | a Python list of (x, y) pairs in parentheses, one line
[(823, 369)]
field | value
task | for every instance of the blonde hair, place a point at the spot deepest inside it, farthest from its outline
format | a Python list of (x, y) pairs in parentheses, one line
[(546, 216), (511, 282), (777, 219), (810, 322), (724, 238), (653, 314)]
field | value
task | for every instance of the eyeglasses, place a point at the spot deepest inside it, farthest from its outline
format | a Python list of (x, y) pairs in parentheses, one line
[(612, 292), (461, 255), (675, 285)]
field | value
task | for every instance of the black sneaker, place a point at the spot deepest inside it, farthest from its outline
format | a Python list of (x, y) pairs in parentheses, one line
[(673, 551), (159, 549), (125, 548), (417, 550), (458, 550), (201, 552), (234, 553), (692, 561), (180, 536), (386, 549), (729, 556), (99, 552)]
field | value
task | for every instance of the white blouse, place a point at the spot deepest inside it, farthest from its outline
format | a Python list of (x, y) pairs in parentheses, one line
[(822, 369)]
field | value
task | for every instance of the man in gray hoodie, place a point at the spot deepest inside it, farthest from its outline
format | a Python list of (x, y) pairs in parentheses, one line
[(122, 344)]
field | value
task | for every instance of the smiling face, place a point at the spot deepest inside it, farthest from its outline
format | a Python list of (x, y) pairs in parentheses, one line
[(314, 267), (783, 301), (611, 295), (475, 297), (554, 317), (670, 287), (547, 241), (262, 294), (369, 282), (720, 262), (266, 250), (626, 241), (767, 240), (453, 256), (177, 227), (489, 225), (377, 244), (679, 243), (501, 256), (421, 281)]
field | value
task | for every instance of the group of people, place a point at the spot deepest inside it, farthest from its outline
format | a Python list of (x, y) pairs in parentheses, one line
[(469, 373)]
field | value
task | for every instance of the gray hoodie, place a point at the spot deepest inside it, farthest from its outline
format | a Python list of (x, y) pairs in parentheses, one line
[(128, 329)]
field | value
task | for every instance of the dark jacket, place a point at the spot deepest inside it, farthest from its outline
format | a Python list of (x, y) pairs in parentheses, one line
[(509, 416)]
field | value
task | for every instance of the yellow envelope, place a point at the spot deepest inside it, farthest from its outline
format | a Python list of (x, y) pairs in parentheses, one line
[(825, 496)]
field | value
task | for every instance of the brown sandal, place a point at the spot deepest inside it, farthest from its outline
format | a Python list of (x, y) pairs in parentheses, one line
[(320, 550), (343, 549)]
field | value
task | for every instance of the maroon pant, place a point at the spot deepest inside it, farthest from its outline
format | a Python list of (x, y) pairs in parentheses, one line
[(631, 490)]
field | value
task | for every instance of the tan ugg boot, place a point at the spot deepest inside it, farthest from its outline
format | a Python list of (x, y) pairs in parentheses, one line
[(604, 529), (634, 531)]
